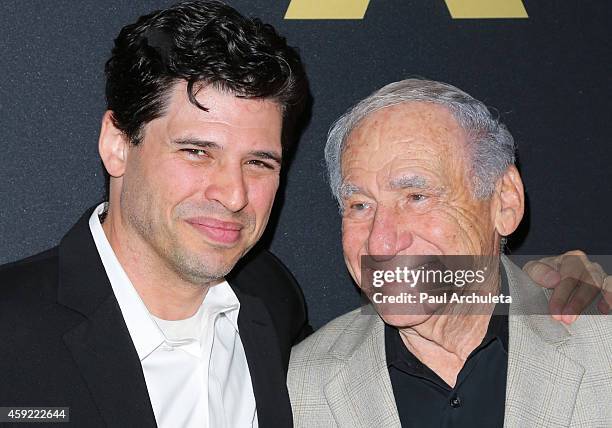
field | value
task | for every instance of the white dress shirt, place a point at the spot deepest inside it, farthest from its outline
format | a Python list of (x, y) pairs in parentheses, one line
[(195, 369)]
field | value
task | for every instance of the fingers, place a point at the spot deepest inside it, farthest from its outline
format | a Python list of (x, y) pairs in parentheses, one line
[(586, 291), (580, 285), (570, 270), (572, 266), (560, 297), (543, 272), (576, 283)]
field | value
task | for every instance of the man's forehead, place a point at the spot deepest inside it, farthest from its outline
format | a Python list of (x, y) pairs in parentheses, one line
[(413, 116), (413, 129), (217, 102), (223, 113), (411, 145)]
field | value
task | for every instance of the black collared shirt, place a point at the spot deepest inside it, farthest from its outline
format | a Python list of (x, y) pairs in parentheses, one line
[(478, 399)]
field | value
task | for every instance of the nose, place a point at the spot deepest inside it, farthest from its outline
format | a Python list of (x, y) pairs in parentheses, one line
[(388, 235), (226, 185)]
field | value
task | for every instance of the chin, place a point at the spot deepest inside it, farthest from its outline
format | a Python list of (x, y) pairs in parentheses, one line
[(403, 321), (202, 264), (205, 271), (219, 262)]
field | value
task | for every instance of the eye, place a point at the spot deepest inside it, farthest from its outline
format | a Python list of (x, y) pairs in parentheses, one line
[(359, 206), (260, 164), (195, 153), (417, 197)]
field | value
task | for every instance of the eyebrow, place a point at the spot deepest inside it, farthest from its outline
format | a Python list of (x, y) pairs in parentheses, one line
[(261, 154), (198, 143), (348, 189), (409, 181)]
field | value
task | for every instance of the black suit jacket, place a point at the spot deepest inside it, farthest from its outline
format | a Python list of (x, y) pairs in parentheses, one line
[(64, 341)]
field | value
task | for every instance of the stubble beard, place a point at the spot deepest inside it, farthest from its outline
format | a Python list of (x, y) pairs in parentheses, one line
[(189, 266)]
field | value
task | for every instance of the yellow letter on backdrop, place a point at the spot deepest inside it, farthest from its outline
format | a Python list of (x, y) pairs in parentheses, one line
[(483, 9), (327, 9)]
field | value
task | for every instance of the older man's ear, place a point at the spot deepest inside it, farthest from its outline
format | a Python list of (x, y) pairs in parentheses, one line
[(509, 202)]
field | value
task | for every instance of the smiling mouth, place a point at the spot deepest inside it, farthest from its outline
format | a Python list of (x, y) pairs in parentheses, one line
[(221, 232)]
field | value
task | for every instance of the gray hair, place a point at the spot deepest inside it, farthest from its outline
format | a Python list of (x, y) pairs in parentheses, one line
[(490, 143)]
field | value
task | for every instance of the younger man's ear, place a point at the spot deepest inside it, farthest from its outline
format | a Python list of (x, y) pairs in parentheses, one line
[(113, 146), (510, 205)]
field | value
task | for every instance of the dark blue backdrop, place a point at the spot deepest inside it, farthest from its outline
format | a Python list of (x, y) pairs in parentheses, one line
[(548, 76)]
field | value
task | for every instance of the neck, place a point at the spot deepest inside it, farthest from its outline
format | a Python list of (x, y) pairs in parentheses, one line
[(444, 341), (165, 294)]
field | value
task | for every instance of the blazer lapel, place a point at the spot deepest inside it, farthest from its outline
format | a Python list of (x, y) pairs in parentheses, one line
[(105, 355), (360, 393), (542, 383), (101, 345), (261, 347)]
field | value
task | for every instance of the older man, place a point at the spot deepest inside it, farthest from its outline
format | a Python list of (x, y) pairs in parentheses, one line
[(422, 168)]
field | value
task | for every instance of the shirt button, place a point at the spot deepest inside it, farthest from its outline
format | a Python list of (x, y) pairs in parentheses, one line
[(455, 402)]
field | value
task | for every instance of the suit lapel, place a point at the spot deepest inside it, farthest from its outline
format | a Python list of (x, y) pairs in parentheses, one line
[(261, 347), (360, 393), (101, 345), (106, 357), (542, 384)]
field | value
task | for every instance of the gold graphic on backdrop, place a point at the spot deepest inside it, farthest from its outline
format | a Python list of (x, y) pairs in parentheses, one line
[(356, 9), (327, 9), (485, 9)]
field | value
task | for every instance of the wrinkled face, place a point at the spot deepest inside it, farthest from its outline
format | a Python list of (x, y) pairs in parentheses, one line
[(407, 189), (200, 186)]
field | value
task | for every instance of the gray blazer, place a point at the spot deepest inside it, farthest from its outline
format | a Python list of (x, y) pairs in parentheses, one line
[(558, 376)]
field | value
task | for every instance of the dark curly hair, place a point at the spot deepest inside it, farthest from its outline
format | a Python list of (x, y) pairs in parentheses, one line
[(204, 43)]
